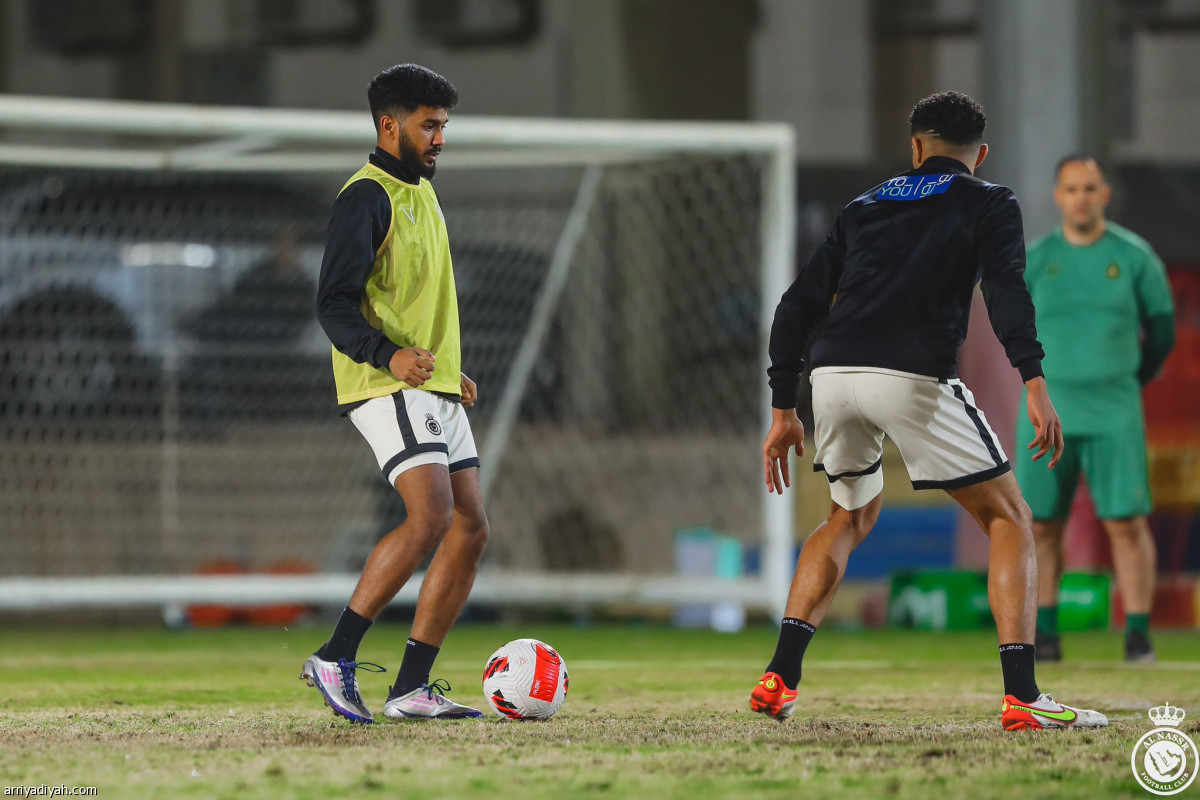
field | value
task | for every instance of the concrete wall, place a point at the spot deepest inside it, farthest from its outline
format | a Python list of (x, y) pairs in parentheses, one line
[(509, 80), (812, 63), (1166, 97), (812, 68)]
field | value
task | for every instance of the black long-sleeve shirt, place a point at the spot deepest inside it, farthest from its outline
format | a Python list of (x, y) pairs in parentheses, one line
[(895, 276), (361, 217)]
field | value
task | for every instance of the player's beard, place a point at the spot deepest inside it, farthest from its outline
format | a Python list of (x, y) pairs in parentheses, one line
[(413, 159)]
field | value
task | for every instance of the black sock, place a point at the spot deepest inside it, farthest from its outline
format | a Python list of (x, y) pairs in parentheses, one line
[(1017, 662), (347, 634), (414, 669), (794, 636)]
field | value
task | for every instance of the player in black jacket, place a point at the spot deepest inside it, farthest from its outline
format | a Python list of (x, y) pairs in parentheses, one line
[(894, 278)]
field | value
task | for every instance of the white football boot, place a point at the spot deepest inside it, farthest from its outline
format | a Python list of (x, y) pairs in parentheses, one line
[(428, 702), (336, 682)]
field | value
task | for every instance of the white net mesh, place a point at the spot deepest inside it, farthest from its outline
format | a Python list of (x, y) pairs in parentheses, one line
[(639, 415), (166, 402)]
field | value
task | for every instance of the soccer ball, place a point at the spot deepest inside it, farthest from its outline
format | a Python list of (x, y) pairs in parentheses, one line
[(525, 679)]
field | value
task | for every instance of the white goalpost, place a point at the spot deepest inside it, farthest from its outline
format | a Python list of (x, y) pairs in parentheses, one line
[(617, 283)]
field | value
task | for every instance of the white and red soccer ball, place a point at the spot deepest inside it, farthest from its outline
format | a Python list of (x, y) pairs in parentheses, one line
[(525, 679)]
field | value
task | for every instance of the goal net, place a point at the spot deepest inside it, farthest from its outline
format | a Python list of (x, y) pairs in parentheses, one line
[(168, 428)]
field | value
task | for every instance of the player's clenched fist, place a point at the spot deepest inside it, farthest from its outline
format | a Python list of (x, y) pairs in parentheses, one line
[(412, 365)]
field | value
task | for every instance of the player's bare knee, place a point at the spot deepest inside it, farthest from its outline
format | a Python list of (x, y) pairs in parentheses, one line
[(431, 526), (860, 524), (1012, 516), (855, 523), (1008, 509), (477, 534)]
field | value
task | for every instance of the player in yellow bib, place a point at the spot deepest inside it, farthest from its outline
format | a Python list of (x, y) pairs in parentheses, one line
[(1106, 318), (387, 301)]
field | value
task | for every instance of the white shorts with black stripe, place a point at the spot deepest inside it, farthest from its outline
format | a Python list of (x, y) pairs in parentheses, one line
[(411, 428), (944, 438)]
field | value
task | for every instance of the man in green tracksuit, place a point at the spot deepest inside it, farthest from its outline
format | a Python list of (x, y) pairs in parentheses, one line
[(1105, 316)]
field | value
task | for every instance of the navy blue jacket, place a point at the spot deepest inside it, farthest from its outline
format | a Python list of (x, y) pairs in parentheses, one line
[(895, 278)]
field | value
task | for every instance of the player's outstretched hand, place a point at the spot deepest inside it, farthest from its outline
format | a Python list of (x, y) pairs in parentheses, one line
[(412, 365), (787, 431), (468, 391), (1048, 435)]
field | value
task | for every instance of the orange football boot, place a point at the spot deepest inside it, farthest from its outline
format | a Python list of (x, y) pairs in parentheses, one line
[(773, 698)]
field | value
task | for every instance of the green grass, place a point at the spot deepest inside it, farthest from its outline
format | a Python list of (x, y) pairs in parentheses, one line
[(653, 713)]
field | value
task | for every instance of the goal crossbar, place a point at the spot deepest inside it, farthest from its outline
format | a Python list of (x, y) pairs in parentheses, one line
[(273, 128)]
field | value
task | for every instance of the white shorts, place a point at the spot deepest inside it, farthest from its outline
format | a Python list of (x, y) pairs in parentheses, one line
[(411, 428), (945, 440)]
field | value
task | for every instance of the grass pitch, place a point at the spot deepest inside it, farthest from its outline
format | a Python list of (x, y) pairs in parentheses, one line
[(653, 712)]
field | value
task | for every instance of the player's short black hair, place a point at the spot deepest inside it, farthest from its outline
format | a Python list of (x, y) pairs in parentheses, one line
[(951, 116), (407, 87), (1081, 157)]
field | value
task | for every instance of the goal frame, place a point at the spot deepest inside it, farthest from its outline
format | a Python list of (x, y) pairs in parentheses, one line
[(185, 138)]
